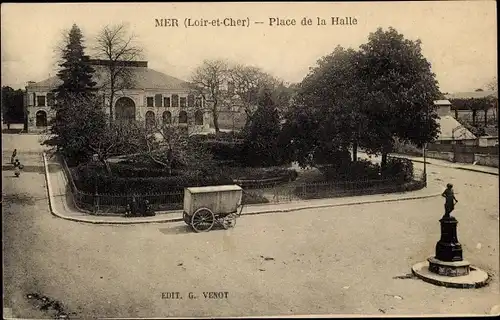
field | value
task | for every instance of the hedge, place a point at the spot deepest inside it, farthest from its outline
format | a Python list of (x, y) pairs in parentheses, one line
[(87, 179)]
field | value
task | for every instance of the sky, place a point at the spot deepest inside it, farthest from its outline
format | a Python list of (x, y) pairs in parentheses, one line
[(459, 38)]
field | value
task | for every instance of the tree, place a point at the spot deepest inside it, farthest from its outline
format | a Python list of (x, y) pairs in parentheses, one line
[(75, 71), (493, 84), (331, 95), (78, 124), (208, 79), (261, 142), (12, 105), (78, 115), (399, 92), (169, 147), (247, 82), (114, 45)]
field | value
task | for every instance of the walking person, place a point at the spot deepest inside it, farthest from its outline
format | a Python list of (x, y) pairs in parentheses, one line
[(17, 168), (450, 201), (14, 154)]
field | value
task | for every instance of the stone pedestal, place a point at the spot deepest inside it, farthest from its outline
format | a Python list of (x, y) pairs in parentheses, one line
[(448, 248), (448, 268), (449, 259)]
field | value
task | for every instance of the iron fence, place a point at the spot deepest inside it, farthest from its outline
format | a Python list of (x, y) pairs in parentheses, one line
[(277, 192)]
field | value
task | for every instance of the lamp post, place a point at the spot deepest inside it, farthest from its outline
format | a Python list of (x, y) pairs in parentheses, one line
[(425, 165)]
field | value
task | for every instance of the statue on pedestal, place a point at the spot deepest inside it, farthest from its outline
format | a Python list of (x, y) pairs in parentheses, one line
[(450, 201)]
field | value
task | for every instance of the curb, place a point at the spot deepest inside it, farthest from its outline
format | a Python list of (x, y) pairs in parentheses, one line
[(170, 220), (476, 170), (452, 167), (320, 206)]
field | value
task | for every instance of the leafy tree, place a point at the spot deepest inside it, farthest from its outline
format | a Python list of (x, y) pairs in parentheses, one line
[(262, 134), (78, 123), (76, 72), (76, 107), (12, 105), (399, 90), (330, 100)]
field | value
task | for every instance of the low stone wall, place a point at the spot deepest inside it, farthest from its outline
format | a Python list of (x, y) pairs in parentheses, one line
[(486, 160), (440, 155)]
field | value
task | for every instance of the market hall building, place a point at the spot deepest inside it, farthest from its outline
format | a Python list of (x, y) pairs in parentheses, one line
[(152, 96)]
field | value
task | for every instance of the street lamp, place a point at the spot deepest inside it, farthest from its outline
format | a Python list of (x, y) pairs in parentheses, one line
[(425, 165)]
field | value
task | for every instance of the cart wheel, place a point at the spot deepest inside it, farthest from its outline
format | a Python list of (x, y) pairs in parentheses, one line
[(203, 220), (229, 221)]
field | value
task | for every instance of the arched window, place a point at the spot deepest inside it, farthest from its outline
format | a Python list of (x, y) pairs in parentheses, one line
[(183, 118), (124, 109), (167, 117), (150, 119), (41, 118), (198, 118)]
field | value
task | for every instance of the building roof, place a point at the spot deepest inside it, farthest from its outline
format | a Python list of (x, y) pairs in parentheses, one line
[(472, 95), (448, 125), (143, 78)]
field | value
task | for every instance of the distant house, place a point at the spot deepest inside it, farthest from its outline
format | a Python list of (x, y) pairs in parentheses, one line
[(462, 112), (153, 96), (451, 131)]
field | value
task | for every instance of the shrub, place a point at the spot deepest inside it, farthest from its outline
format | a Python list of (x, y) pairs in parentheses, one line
[(88, 177), (350, 171), (405, 148), (253, 198), (129, 170), (400, 169)]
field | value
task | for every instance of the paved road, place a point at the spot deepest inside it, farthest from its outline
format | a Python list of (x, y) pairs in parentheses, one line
[(326, 261)]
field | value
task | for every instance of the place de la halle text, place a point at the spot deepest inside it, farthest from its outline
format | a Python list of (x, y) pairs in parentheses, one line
[(335, 21)]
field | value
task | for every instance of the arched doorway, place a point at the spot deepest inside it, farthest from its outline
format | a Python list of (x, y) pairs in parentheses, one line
[(150, 119), (183, 118), (125, 109), (41, 118), (167, 117), (198, 118)]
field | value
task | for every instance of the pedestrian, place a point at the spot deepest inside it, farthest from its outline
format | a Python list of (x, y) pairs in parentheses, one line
[(14, 154), (450, 200), (17, 168), (133, 207)]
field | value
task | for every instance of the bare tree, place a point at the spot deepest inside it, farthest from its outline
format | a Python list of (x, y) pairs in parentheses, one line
[(247, 82), (116, 46), (209, 79), (493, 84), (117, 139), (165, 145)]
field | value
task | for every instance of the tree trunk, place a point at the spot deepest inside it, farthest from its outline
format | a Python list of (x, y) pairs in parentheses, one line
[(456, 114), (355, 151), (485, 117), (111, 97), (474, 114), (106, 165), (385, 151), (383, 164), (216, 118)]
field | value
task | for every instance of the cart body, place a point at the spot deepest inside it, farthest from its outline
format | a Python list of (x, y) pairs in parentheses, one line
[(215, 201), (219, 199)]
